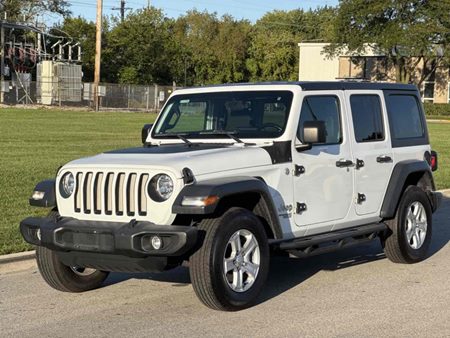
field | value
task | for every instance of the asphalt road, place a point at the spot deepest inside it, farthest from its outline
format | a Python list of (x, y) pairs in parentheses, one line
[(353, 293)]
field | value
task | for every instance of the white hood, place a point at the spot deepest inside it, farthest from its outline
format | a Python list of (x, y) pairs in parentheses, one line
[(201, 159)]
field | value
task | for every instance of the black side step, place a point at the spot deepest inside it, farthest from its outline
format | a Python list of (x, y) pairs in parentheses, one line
[(339, 238)]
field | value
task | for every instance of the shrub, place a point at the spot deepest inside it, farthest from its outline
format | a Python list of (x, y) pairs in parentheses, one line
[(437, 109)]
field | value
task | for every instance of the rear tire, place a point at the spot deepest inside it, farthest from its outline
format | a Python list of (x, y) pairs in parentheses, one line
[(65, 278), (410, 232), (229, 271)]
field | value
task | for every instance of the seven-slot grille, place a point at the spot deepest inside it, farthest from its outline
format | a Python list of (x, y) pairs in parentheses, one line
[(108, 193)]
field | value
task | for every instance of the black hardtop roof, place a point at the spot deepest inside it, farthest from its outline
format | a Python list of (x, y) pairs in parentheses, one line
[(329, 85)]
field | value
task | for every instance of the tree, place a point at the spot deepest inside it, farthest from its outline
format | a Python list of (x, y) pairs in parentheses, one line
[(274, 51), (408, 32), (28, 9), (137, 50), (213, 50)]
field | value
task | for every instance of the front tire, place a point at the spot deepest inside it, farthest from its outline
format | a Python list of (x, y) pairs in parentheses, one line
[(65, 278), (410, 231), (229, 271)]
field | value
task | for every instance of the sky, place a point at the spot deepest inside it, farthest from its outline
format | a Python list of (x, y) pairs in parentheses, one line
[(240, 9)]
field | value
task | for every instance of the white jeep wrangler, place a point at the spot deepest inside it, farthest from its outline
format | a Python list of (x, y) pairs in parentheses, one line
[(229, 172)]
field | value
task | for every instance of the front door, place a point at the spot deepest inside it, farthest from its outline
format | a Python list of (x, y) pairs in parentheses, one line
[(372, 149), (323, 183)]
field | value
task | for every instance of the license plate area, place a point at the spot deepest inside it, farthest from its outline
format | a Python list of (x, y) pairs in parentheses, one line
[(85, 240)]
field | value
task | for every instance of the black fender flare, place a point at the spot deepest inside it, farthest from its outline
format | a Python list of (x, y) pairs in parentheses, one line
[(225, 187), (48, 187), (397, 182)]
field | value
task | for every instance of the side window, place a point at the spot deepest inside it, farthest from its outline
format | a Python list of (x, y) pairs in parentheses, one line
[(322, 108), (367, 118), (405, 117)]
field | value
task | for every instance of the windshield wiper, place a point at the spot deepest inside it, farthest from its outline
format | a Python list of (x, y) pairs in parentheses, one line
[(182, 137), (230, 134)]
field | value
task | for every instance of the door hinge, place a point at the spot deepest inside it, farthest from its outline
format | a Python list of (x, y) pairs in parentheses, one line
[(359, 164), (361, 198), (301, 207), (299, 170)]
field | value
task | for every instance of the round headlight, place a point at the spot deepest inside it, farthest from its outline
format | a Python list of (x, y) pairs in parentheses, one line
[(160, 188), (67, 185)]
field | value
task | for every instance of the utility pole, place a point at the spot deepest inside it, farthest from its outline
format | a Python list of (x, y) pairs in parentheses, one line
[(98, 53), (122, 10)]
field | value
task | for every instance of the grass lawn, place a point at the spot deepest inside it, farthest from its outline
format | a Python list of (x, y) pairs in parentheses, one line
[(35, 143)]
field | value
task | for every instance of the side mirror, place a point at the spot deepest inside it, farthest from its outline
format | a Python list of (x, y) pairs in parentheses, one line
[(145, 131), (314, 132)]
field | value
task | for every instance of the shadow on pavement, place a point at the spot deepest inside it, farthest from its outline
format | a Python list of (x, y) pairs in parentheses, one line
[(441, 227), (286, 273)]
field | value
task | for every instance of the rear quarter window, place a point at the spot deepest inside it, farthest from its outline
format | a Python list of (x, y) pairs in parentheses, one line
[(406, 119)]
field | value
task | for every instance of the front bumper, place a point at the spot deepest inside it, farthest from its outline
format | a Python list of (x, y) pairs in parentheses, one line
[(110, 246)]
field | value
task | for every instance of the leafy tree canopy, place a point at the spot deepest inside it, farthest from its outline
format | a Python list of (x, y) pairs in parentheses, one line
[(28, 9), (408, 32)]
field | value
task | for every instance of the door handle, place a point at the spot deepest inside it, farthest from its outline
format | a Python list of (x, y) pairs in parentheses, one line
[(384, 159), (344, 163)]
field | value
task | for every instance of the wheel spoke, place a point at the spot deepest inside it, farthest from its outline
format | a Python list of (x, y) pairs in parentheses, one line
[(416, 211), (235, 242), (251, 269), (409, 231), (229, 265), (417, 241), (410, 215), (249, 247), (238, 279)]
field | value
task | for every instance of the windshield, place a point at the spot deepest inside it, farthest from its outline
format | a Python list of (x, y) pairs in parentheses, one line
[(249, 114)]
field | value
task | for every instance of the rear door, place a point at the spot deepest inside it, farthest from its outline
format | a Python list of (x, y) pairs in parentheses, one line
[(372, 151)]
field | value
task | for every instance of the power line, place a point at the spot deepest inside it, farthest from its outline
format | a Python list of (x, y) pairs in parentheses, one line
[(122, 10)]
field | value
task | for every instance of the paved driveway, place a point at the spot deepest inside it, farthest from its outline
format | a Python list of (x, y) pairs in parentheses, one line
[(353, 293)]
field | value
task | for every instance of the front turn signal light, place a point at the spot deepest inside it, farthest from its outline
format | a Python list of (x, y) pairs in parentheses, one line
[(203, 201)]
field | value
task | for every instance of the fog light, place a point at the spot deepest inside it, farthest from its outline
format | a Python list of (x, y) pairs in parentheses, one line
[(38, 234), (156, 242)]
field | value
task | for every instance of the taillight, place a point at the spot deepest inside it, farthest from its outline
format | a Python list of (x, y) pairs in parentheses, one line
[(434, 161)]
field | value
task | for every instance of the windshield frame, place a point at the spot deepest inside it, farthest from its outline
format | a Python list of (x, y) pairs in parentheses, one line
[(214, 134)]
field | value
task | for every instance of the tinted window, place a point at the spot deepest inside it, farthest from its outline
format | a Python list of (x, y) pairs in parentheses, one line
[(258, 114), (367, 118), (322, 108), (405, 116)]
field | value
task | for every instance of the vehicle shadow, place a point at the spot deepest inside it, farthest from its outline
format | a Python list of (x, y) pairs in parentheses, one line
[(287, 272), (441, 227)]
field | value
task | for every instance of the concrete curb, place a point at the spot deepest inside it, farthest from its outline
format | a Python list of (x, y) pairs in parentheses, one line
[(17, 257), (438, 121), (29, 255)]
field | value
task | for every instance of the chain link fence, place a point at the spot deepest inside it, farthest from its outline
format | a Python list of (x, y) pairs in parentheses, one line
[(66, 92)]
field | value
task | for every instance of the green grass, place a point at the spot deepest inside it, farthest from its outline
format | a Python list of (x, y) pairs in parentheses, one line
[(35, 143), (440, 141)]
